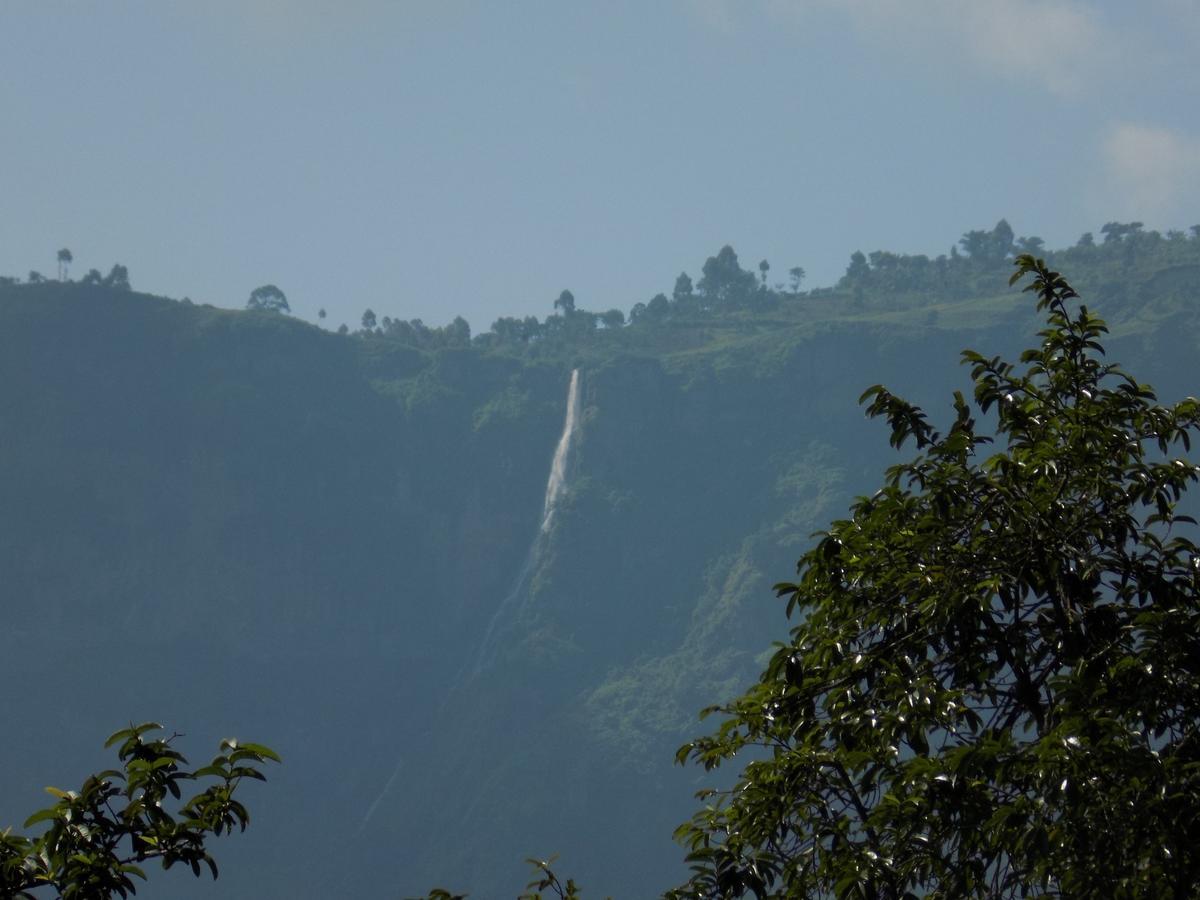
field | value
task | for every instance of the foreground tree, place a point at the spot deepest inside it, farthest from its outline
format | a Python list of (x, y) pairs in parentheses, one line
[(96, 838), (994, 686)]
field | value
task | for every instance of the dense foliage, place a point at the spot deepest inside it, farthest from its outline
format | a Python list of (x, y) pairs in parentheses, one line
[(994, 685), (96, 839)]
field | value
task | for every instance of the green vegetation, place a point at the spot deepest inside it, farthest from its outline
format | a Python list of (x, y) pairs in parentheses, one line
[(993, 687), (992, 690), (728, 299), (96, 840), (340, 518)]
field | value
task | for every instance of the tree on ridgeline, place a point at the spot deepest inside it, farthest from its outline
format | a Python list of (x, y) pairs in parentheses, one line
[(993, 246), (858, 268), (1115, 232), (268, 298), (565, 302), (1032, 245), (684, 291), (508, 330), (117, 278), (656, 310), (724, 281), (457, 333), (64, 262)]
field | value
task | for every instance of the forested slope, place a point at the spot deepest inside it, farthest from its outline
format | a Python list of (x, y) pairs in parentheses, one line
[(235, 522)]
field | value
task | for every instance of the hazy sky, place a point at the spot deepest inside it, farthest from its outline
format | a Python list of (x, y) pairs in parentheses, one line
[(427, 159)]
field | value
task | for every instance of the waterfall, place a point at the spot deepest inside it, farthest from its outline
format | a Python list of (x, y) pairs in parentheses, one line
[(554, 488), (487, 648), (558, 468)]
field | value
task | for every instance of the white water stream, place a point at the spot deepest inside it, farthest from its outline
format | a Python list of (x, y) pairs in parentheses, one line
[(558, 468), (487, 647), (554, 488)]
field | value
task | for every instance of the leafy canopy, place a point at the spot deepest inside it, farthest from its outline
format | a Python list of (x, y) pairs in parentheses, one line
[(96, 838), (994, 685)]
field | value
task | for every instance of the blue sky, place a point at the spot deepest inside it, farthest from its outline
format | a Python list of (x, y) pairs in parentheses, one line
[(428, 159)]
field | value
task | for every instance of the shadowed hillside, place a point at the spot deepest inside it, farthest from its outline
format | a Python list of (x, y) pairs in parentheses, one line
[(236, 522)]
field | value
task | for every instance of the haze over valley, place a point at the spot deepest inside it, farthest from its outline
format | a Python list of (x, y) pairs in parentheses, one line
[(436, 393)]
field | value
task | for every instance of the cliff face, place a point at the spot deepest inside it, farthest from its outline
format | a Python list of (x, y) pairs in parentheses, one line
[(249, 462), (236, 523)]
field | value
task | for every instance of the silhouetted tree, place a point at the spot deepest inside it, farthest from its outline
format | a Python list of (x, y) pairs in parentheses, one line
[(64, 261), (368, 320), (797, 273), (1002, 240), (614, 318), (1118, 231), (1032, 245), (724, 280), (117, 278), (659, 308), (763, 268), (508, 330), (268, 298), (457, 333), (565, 302), (684, 290), (531, 328), (858, 268), (989, 246), (35, 277)]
